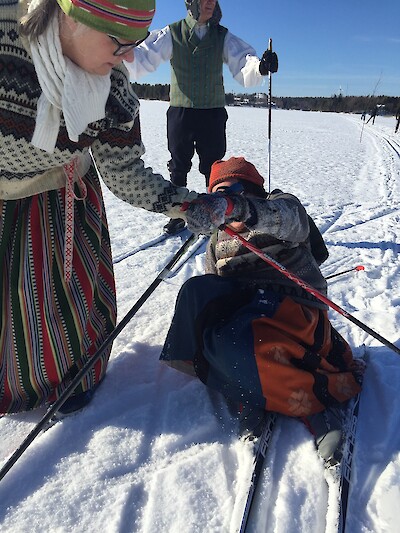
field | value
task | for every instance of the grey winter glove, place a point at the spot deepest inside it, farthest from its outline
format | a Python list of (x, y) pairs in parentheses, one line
[(210, 211), (268, 63), (206, 213), (238, 208)]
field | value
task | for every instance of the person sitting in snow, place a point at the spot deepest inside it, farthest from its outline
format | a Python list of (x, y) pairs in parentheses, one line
[(249, 332)]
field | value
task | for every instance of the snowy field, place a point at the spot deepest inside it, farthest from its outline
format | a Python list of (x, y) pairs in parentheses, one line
[(154, 452)]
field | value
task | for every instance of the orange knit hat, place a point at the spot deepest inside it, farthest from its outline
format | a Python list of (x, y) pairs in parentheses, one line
[(237, 168)]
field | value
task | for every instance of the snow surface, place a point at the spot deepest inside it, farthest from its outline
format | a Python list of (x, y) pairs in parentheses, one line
[(154, 451)]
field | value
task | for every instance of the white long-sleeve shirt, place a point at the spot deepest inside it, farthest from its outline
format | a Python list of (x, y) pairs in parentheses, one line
[(240, 57)]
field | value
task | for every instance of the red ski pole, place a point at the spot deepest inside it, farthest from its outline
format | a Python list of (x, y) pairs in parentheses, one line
[(283, 270)]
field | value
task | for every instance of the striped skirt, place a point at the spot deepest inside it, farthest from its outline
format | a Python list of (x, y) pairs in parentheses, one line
[(49, 327)]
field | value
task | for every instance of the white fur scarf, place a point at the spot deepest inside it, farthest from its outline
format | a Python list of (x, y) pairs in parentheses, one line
[(66, 88)]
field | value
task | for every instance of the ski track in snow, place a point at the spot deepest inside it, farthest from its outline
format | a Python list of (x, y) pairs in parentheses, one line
[(155, 451)]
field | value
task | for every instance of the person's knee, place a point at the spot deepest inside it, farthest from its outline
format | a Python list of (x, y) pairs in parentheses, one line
[(197, 283)]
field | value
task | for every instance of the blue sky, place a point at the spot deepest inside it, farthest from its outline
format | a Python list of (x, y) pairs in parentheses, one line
[(324, 47)]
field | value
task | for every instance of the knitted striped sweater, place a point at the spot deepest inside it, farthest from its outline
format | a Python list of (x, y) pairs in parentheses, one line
[(115, 141), (282, 232)]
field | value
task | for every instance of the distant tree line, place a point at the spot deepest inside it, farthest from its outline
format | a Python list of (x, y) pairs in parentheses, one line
[(337, 103), (151, 92), (342, 104)]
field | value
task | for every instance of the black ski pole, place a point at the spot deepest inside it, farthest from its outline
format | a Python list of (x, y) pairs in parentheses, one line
[(357, 268), (269, 119), (283, 270), (373, 94), (92, 361)]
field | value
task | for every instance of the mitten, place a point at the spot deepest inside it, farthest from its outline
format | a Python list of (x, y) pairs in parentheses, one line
[(210, 211), (206, 213), (268, 63)]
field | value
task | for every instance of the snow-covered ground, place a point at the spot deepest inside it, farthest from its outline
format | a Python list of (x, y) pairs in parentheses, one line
[(154, 452)]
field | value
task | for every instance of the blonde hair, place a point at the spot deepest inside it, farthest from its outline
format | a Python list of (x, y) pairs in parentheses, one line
[(36, 21)]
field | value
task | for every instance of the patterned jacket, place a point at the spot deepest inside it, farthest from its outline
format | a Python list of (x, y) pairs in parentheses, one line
[(282, 232), (114, 142)]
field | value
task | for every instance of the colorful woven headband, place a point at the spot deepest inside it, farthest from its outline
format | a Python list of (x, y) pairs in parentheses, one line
[(124, 19)]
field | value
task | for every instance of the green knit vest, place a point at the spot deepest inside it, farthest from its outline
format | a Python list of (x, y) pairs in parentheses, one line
[(196, 66)]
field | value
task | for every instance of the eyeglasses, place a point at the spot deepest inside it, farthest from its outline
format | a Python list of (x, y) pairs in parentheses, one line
[(124, 48)]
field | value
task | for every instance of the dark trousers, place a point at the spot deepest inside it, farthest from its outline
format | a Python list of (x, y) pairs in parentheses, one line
[(190, 130)]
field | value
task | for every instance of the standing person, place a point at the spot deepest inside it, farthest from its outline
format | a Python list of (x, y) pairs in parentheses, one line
[(398, 121), (252, 334), (373, 114), (63, 91), (197, 47)]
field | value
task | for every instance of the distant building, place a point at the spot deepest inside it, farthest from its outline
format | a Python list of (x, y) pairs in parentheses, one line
[(254, 100)]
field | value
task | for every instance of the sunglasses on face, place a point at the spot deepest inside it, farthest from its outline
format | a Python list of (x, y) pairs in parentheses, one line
[(124, 48), (224, 188), (236, 188)]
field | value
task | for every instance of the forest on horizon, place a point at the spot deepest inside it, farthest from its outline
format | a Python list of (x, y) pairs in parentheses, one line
[(388, 105)]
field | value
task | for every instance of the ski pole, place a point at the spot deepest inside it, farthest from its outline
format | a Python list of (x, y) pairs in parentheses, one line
[(373, 94), (357, 268), (283, 270), (92, 361), (269, 119)]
